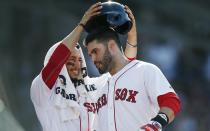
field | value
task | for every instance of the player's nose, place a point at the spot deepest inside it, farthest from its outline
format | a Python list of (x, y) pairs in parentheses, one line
[(77, 64)]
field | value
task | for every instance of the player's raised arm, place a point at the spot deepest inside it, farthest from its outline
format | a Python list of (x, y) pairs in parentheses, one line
[(61, 54), (131, 45), (71, 40)]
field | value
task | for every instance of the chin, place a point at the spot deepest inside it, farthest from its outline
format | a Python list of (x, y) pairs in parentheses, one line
[(74, 76)]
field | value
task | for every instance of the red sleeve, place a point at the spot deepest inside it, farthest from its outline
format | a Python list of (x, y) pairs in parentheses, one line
[(51, 71), (170, 100)]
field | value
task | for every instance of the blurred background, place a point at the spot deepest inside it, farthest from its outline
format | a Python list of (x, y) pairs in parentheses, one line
[(173, 34)]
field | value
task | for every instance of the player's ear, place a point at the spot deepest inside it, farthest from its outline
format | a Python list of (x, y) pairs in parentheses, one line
[(111, 46)]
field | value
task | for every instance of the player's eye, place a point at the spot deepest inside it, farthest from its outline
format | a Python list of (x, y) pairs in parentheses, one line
[(94, 51), (70, 63)]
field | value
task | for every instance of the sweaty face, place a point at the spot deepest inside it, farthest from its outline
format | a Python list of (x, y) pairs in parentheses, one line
[(100, 56), (74, 64)]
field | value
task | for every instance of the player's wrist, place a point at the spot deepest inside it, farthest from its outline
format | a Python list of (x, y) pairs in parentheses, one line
[(81, 25), (162, 119), (131, 45)]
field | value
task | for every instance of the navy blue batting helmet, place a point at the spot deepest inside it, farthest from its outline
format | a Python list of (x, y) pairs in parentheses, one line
[(112, 15)]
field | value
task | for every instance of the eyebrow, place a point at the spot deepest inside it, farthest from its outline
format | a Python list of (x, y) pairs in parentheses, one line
[(74, 57), (91, 52)]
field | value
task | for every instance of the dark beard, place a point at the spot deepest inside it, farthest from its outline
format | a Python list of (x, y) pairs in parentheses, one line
[(106, 62)]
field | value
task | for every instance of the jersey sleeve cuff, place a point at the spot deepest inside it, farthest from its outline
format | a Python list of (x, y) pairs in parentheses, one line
[(170, 100)]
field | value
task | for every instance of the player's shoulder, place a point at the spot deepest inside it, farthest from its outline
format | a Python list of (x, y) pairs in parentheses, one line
[(100, 78), (145, 65), (35, 81), (38, 81)]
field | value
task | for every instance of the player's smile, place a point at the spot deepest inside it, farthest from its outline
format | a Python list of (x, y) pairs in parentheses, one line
[(74, 64), (75, 72)]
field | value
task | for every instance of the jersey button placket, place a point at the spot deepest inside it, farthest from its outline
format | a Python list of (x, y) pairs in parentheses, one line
[(110, 106)]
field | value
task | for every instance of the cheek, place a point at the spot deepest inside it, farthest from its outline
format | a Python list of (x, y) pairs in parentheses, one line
[(102, 56), (69, 67)]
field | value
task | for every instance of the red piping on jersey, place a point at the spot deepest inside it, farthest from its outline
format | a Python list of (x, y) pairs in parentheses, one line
[(80, 123), (170, 100), (88, 121), (131, 59), (107, 93), (51, 71), (114, 94)]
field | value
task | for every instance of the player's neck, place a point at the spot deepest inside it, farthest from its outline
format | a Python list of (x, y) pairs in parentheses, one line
[(117, 64)]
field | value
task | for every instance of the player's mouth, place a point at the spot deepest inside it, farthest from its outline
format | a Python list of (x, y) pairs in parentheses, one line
[(74, 71)]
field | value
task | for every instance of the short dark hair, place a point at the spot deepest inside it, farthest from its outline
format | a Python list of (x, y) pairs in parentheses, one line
[(102, 35)]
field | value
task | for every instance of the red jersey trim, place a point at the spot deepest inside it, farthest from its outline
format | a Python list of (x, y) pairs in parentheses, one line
[(131, 59), (80, 123), (51, 71), (115, 91), (170, 100)]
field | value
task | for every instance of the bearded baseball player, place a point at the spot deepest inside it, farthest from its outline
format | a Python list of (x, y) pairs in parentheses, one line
[(62, 87), (137, 96)]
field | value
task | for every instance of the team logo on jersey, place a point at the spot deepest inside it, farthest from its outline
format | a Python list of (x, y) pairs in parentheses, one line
[(62, 79), (94, 107), (120, 94), (87, 87), (78, 82), (90, 87), (59, 90), (63, 93), (126, 95)]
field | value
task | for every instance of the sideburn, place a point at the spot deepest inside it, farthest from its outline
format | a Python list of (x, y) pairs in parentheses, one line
[(107, 61)]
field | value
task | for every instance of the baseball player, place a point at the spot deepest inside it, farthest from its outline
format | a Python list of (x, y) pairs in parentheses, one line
[(137, 96), (58, 106)]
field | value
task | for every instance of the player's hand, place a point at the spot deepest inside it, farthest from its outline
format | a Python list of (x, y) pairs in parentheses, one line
[(152, 126), (93, 10), (130, 14), (132, 34)]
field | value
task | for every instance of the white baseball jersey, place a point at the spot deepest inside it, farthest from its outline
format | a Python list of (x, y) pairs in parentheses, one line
[(47, 113), (129, 98), (44, 89)]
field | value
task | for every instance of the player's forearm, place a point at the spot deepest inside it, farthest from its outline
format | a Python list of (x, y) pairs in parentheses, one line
[(169, 104), (132, 34), (131, 45), (51, 71), (161, 120), (169, 112), (72, 39)]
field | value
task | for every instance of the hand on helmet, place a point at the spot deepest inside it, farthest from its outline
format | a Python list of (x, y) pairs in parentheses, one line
[(93, 10), (132, 34), (130, 14)]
